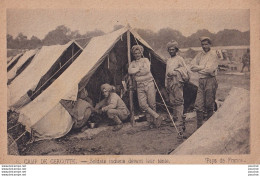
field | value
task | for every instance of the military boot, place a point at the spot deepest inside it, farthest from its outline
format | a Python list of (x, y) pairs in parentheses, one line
[(150, 120), (158, 121), (119, 124), (177, 114), (209, 114), (199, 119)]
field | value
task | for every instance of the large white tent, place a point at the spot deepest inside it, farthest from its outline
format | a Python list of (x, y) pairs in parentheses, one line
[(45, 114)]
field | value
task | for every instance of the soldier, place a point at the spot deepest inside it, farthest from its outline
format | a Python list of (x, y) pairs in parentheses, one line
[(80, 110), (176, 75), (246, 60), (140, 69), (113, 106), (205, 64)]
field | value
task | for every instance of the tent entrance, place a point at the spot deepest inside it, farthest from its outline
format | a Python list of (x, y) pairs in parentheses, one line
[(62, 63), (114, 70)]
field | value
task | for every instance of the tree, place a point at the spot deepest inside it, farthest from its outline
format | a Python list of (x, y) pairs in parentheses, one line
[(10, 41), (193, 40), (118, 26), (149, 36), (34, 43), (58, 36), (75, 35), (94, 33), (20, 42), (229, 37)]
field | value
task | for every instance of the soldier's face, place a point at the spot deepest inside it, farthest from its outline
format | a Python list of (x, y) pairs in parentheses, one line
[(205, 45), (172, 51), (105, 93), (137, 54)]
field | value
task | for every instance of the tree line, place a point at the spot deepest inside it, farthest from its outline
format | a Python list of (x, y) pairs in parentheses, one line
[(157, 40)]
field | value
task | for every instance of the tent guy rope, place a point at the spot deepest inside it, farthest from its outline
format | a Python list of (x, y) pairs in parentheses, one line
[(179, 133)]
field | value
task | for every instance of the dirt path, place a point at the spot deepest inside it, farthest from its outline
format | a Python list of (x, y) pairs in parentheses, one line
[(133, 141)]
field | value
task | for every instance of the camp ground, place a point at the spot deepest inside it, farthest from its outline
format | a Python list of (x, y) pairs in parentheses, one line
[(21, 64), (105, 60), (46, 66)]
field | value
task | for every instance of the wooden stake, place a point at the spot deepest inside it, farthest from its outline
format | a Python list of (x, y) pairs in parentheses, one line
[(130, 81)]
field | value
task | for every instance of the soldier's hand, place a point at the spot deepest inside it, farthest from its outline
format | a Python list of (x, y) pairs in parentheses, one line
[(195, 68), (170, 74), (104, 109)]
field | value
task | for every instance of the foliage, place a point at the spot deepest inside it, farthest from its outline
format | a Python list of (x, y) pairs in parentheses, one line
[(157, 40)]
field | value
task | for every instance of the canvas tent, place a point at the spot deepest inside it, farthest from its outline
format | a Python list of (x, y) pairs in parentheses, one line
[(13, 61), (21, 64), (9, 59), (226, 132), (96, 65), (53, 120), (46, 66)]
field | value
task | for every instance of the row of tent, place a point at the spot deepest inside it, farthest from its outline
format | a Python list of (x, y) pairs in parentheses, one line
[(41, 79), (56, 73), (35, 68)]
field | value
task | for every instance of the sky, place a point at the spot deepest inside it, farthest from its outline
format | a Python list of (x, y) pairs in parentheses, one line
[(39, 22)]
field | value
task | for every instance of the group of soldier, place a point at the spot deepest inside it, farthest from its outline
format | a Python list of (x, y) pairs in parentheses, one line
[(204, 64)]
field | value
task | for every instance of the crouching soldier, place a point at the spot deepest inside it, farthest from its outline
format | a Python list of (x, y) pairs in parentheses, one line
[(146, 93), (113, 106)]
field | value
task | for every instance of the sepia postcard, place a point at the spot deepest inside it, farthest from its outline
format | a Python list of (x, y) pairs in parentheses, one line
[(130, 82)]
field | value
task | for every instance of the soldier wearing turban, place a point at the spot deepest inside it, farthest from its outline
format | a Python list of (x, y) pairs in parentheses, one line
[(174, 82), (113, 106), (140, 69)]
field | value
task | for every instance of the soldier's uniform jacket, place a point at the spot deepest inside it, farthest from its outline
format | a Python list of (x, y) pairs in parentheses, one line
[(172, 65), (209, 61), (144, 74), (112, 102)]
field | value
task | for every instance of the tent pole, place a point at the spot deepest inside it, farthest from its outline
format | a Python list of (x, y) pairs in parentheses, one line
[(132, 118)]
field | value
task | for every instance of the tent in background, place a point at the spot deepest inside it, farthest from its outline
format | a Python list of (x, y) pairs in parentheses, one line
[(46, 66), (226, 132), (9, 59), (14, 60), (22, 63)]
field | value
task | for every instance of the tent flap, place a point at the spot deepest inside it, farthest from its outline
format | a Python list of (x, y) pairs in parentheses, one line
[(55, 124)]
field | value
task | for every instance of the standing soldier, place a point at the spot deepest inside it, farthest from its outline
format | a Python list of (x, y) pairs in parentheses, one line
[(140, 69), (246, 60), (176, 75), (205, 64)]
